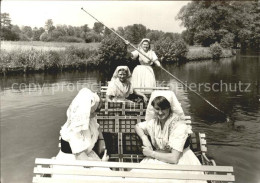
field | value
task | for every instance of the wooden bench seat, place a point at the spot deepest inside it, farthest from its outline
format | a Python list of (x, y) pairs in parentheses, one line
[(145, 90), (81, 171)]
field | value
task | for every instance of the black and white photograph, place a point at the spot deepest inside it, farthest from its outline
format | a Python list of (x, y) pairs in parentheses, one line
[(130, 91)]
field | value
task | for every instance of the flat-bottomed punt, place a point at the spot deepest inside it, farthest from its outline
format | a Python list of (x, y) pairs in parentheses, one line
[(117, 120)]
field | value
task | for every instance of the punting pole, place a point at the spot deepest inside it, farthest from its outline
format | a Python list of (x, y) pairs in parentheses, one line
[(227, 118)]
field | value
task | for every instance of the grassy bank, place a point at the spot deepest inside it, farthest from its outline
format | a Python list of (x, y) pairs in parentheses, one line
[(44, 46), (49, 56), (196, 53), (31, 60)]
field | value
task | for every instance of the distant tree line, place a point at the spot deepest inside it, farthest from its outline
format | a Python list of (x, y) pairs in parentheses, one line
[(66, 33), (230, 23)]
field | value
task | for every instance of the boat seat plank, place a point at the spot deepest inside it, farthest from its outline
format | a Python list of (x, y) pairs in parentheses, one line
[(145, 90), (151, 175), (80, 171), (43, 161)]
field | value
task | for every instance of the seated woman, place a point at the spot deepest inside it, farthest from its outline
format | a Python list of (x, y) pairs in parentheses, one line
[(168, 133), (81, 131), (79, 135), (119, 88)]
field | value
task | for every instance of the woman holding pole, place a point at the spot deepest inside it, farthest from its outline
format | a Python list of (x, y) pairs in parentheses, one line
[(143, 75)]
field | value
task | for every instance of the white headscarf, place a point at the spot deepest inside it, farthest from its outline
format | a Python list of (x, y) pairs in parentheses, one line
[(172, 99), (79, 112), (122, 67), (144, 39)]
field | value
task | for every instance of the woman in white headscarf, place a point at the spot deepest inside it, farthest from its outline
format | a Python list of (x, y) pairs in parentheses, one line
[(143, 75), (168, 133), (120, 87), (79, 135), (81, 131)]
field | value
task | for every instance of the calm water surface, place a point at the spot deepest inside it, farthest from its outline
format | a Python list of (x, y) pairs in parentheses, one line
[(33, 108)]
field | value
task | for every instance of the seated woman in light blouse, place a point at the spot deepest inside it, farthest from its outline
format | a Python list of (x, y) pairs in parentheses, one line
[(120, 87), (168, 133)]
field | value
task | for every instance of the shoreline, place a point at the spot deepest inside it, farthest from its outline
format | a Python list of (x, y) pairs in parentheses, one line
[(17, 57)]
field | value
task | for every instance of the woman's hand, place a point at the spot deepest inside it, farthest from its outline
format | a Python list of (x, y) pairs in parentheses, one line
[(145, 99), (147, 151), (105, 156), (127, 42), (157, 63)]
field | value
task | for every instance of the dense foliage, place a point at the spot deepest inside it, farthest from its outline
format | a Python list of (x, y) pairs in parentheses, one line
[(169, 50), (231, 23), (215, 50), (112, 52), (135, 33)]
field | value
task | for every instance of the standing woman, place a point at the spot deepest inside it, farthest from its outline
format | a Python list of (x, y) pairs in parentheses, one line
[(168, 133), (143, 75)]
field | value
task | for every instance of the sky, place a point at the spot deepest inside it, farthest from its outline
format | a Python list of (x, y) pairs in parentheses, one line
[(156, 15)]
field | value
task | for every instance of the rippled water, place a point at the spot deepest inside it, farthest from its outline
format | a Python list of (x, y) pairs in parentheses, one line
[(33, 108)]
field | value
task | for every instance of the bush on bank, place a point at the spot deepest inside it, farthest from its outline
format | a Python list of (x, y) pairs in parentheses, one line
[(205, 53), (169, 50), (215, 50), (112, 52)]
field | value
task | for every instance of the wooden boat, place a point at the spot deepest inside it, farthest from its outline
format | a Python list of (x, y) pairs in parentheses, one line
[(117, 120)]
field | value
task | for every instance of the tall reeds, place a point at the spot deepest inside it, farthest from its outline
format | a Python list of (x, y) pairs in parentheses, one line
[(37, 60)]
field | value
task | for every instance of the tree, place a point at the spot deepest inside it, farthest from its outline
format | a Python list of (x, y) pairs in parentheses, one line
[(205, 37), (227, 40), (37, 33), (16, 29), (188, 36), (154, 35), (121, 31), (107, 32), (6, 20), (70, 31), (62, 29), (49, 25), (6, 31), (55, 34), (92, 36), (77, 31), (112, 52), (135, 33), (45, 36), (172, 36), (85, 28), (27, 31), (211, 21), (98, 27)]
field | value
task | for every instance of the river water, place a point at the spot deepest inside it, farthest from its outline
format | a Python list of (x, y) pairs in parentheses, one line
[(33, 108)]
